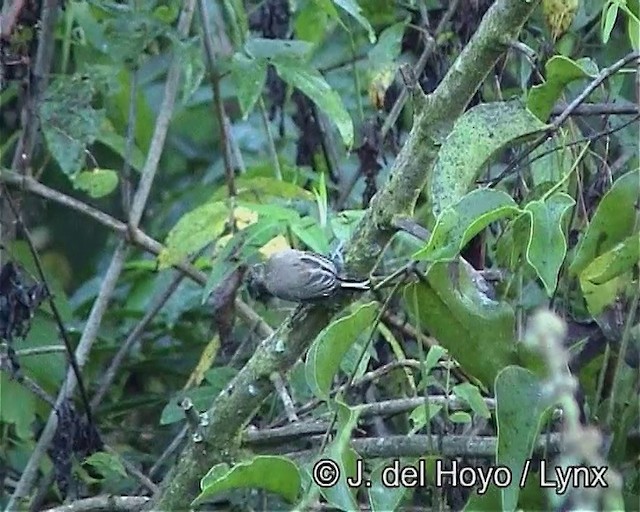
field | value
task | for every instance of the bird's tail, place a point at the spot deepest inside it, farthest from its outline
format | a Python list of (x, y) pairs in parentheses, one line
[(355, 285)]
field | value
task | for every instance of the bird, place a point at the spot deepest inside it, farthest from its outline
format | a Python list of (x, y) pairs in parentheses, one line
[(299, 276)]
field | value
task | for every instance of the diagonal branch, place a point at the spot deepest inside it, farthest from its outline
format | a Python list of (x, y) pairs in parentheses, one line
[(240, 400)]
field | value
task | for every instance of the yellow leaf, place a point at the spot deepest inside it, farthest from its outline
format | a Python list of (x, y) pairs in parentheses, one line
[(274, 245)]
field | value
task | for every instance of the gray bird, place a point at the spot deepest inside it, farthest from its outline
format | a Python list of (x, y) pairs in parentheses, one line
[(299, 276)]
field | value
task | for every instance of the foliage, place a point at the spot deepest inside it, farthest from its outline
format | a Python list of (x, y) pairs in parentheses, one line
[(247, 130)]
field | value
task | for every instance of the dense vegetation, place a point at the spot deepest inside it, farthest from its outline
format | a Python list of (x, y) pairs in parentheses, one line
[(476, 160)]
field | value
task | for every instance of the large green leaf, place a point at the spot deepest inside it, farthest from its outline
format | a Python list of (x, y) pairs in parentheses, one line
[(193, 231), (476, 136), (560, 71), (547, 246), (613, 221), (477, 331), (520, 409), (271, 473), (249, 76), (313, 85), (462, 221), (330, 346)]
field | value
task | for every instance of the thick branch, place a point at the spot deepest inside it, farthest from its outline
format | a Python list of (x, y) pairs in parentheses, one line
[(237, 404)]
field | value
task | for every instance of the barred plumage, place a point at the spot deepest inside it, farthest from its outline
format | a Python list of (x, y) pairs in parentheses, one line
[(299, 276)]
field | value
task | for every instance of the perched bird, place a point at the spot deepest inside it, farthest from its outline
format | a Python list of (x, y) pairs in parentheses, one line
[(298, 276)]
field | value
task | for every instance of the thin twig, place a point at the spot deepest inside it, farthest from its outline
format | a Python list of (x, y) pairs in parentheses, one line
[(273, 153), (156, 305), (557, 123)]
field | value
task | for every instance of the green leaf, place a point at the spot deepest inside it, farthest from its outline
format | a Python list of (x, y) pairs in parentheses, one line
[(106, 463), (271, 212), (433, 356), (311, 23), (618, 260), (383, 497), (271, 473), (118, 144), (551, 162), (355, 11), (261, 187), (326, 353), (309, 231), (344, 222), (388, 47), (193, 231), (471, 394), (547, 246), (460, 417), (418, 416), (97, 182), (192, 66), (608, 21), (282, 49), (607, 276), (341, 495), (313, 85), (476, 136), (69, 122), (17, 407), (520, 409), (613, 221), (477, 331), (462, 221), (560, 71), (249, 76)]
